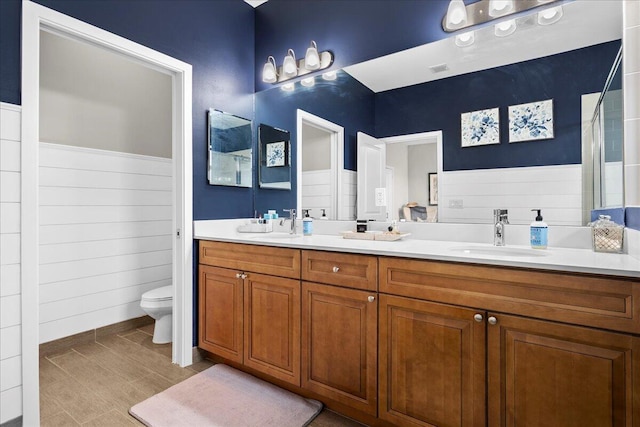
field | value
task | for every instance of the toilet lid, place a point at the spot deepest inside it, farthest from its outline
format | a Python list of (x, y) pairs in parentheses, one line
[(159, 294)]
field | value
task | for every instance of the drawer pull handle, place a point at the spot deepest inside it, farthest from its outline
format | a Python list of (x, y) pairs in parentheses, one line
[(492, 320), (478, 317), (336, 269), (371, 298)]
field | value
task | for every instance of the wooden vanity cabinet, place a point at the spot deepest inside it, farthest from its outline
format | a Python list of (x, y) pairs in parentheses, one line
[(432, 364), (249, 317), (538, 372), (548, 374), (340, 327)]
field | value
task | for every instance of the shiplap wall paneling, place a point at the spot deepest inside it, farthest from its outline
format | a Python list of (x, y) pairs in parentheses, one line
[(10, 315), (557, 189), (349, 192), (105, 236)]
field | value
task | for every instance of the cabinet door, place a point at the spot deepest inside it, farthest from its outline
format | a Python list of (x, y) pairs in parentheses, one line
[(339, 343), (548, 374), (272, 326), (221, 312), (432, 364)]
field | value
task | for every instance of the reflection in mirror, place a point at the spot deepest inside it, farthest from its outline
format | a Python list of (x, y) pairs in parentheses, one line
[(322, 179), (607, 125), (559, 62), (229, 150), (275, 157)]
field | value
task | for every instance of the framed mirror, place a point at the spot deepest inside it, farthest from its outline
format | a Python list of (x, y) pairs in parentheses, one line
[(230, 153), (274, 146)]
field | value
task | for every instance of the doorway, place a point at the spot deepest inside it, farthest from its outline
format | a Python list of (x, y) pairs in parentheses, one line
[(36, 18), (320, 163)]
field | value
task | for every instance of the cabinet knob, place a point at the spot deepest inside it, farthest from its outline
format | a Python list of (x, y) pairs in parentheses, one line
[(478, 317), (238, 275), (244, 276), (492, 320), (371, 298), (336, 269)]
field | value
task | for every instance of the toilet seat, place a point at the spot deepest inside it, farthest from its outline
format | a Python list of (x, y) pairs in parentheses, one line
[(164, 293)]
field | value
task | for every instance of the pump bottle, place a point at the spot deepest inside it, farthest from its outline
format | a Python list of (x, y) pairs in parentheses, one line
[(539, 231)]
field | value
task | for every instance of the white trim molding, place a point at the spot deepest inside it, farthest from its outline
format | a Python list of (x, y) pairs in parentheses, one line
[(34, 19)]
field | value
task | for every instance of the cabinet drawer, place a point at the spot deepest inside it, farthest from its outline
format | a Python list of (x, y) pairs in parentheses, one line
[(282, 262), (348, 270), (590, 300)]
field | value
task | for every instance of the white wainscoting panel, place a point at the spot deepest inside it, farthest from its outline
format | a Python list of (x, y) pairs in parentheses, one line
[(349, 192), (316, 192), (10, 318), (105, 236), (556, 188)]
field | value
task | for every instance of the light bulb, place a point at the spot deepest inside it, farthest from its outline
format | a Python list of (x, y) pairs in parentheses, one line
[(269, 74), (465, 39), (289, 67), (288, 87), (550, 16), (500, 7), (308, 82), (505, 28), (330, 75), (312, 58), (456, 15)]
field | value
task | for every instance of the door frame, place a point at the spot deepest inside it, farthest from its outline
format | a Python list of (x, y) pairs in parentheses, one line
[(337, 157), (35, 18)]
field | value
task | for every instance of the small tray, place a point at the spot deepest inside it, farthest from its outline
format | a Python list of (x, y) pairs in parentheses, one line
[(387, 237)]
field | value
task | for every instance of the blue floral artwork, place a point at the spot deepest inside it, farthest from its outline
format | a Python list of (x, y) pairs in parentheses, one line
[(275, 154), (480, 127), (528, 122)]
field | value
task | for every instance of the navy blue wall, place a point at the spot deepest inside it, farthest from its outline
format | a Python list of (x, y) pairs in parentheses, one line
[(345, 102), (438, 105), (215, 37)]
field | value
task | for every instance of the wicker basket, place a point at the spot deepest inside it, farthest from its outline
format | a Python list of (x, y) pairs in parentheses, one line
[(607, 235)]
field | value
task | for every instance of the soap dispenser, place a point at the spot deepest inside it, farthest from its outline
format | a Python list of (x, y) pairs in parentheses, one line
[(324, 214), (539, 231), (307, 224)]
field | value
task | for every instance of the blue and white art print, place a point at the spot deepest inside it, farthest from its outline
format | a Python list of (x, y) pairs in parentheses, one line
[(480, 127), (275, 154), (533, 121)]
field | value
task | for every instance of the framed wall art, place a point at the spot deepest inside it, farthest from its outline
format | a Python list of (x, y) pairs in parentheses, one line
[(480, 127), (530, 122)]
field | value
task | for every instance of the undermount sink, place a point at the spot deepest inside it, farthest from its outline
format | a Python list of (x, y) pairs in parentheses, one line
[(270, 236), (503, 251)]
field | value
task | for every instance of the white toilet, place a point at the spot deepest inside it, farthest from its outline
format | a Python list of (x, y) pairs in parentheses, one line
[(158, 303)]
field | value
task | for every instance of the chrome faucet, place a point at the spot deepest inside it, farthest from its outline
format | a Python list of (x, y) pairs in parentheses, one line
[(292, 218), (500, 219)]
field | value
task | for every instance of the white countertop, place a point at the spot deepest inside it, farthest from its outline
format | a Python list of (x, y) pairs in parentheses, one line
[(558, 259)]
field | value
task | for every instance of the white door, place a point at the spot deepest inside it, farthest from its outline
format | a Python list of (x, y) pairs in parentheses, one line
[(372, 200)]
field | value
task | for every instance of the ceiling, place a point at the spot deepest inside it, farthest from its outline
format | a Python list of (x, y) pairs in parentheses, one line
[(585, 23)]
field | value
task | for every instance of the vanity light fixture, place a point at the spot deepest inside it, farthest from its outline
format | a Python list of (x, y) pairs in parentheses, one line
[(550, 16), (465, 39), (291, 68), (269, 73), (505, 28), (289, 65), (308, 82), (460, 16), (312, 58), (456, 16)]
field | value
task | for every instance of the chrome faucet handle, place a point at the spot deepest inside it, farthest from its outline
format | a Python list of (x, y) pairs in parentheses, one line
[(292, 213), (501, 215)]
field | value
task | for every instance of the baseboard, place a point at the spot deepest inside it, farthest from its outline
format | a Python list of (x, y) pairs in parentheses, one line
[(64, 344)]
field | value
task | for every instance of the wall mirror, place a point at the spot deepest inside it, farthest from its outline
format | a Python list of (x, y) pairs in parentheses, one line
[(393, 96), (230, 142), (274, 146)]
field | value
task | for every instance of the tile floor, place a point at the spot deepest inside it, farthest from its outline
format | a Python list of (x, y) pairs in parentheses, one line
[(95, 384)]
